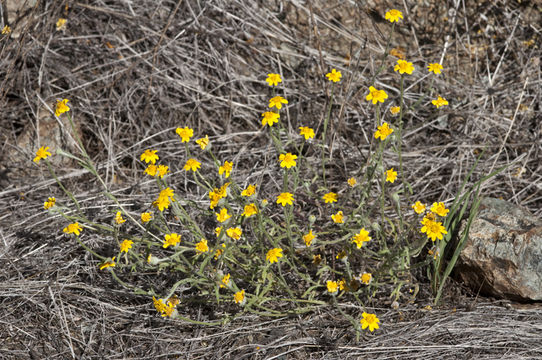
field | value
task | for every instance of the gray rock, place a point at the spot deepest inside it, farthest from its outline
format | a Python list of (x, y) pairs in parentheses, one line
[(502, 256)]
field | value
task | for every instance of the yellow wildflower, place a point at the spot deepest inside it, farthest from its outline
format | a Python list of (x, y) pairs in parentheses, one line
[(383, 131), (250, 210), (192, 164), (334, 75), (330, 197), (226, 169), (42, 153), (376, 95), (185, 133), (126, 245), (361, 237), (118, 218), (338, 218), (352, 182), (308, 238), (391, 175), (239, 297), (285, 199), (234, 233), (287, 160), (273, 255), (146, 217), (369, 321), (393, 16), (222, 215), (171, 240), (73, 229), (61, 107), (366, 278), (225, 280), (439, 209), (332, 286), (395, 110), (249, 191), (61, 24), (277, 102), (273, 79), (202, 247), (440, 101), (149, 156), (269, 118), (108, 263), (49, 203), (404, 67), (203, 142), (163, 170), (435, 68), (307, 132)]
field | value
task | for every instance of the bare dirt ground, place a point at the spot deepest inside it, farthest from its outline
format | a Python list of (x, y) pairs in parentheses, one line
[(135, 70)]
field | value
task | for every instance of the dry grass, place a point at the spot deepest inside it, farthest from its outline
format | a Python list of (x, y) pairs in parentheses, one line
[(135, 70)]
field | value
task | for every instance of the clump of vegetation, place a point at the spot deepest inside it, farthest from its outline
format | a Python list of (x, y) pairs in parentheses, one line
[(307, 244)]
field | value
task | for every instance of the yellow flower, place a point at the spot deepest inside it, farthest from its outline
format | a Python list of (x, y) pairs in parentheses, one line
[(108, 263), (192, 164), (226, 169), (234, 233), (383, 131), (126, 245), (376, 95), (434, 68), (404, 67), (165, 309), (317, 259), (202, 247), (249, 191), (277, 102), (146, 217), (185, 133), (250, 210), (391, 175), (61, 107), (332, 286), (49, 203), (61, 24), (393, 16), (361, 237), (287, 160), (418, 207), (269, 118), (223, 215), (439, 209), (308, 238), (162, 203), (203, 142), (273, 79), (42, 153), (307, 132), (6, 30), (338, 218), (151, 170), (168, 193), (239, 297), (149, 156), (433, 229), (225, 280), (273, 255), (440, 101), (285, 198), (334, 76), (171, 240), (342, 284), (118, 218), (352, 182), (395, 110), (341, 255), (366, 278), (330, 197), (369, 321), (218, 230), (73, 229), (219, 251), (163, 170)]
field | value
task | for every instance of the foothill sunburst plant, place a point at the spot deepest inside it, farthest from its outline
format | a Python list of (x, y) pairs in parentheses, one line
[(271, 253)]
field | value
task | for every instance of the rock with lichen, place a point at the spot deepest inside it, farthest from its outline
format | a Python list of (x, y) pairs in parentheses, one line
[(502, 256)]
